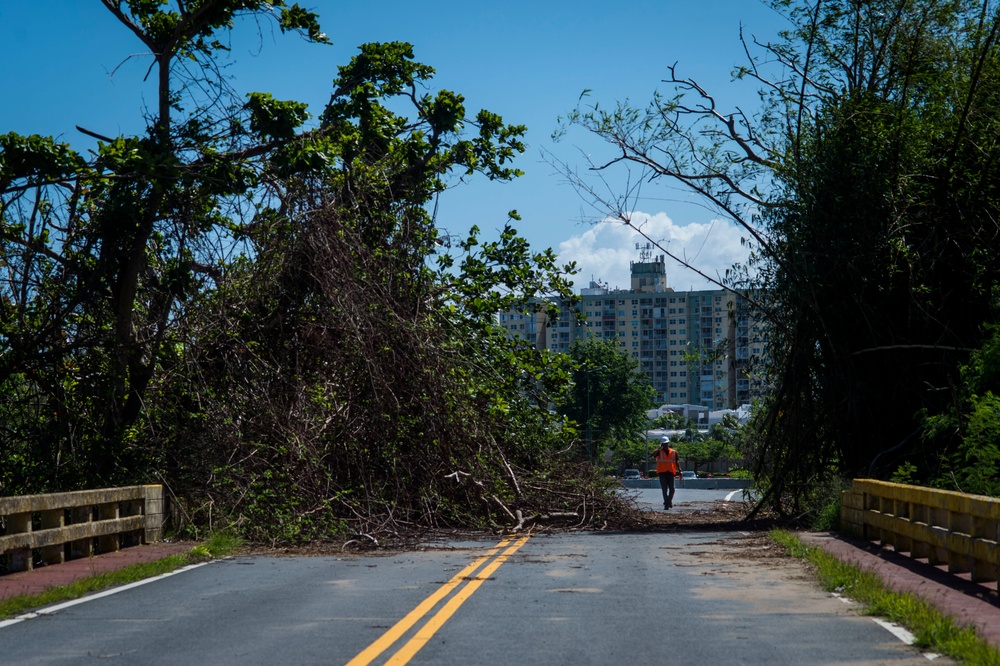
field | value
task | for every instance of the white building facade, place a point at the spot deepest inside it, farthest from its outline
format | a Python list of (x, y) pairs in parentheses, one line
[(694, 346)]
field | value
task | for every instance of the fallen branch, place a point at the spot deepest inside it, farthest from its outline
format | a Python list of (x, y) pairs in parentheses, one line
[(546, 518), (373, 542)]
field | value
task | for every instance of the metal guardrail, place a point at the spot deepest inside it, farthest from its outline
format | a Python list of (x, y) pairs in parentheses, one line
[(944, 527), (69, 525)]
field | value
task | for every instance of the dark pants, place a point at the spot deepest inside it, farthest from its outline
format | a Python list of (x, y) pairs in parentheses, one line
[(667, 487)]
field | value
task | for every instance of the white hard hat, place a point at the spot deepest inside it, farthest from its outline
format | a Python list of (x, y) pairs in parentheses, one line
[(665, 440)]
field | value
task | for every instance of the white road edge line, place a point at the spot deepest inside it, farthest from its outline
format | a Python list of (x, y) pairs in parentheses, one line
[(896, 630), (903, 635), (729, 497), (50, 610)]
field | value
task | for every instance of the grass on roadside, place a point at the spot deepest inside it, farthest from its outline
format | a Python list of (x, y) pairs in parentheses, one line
[(933, 631), (218, 545)]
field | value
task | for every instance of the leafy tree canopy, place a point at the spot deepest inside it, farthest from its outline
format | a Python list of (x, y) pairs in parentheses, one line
[(610, 396), (673, 421)]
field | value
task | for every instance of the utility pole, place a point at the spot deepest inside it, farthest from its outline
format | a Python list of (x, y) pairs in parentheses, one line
[(590, 432), (645, 461)]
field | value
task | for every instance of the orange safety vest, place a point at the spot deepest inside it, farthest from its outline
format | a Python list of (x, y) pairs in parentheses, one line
[(666, 461)]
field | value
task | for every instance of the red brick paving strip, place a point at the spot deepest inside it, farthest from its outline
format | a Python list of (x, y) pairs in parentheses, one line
[(43, 578), (956, 596)]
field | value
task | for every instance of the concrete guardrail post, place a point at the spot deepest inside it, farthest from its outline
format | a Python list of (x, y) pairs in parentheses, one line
[(155, 509)]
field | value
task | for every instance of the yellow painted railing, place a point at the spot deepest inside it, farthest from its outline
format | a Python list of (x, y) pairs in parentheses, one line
[(943, 527), (67, 525)]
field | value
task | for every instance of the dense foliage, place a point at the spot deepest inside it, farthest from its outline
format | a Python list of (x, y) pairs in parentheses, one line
[(867, 187), (702, 449), (609, 396), (673, 421), (881, 276), (257, 309)]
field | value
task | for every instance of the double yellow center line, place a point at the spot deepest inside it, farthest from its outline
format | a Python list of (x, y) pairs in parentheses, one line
[(424, 633)]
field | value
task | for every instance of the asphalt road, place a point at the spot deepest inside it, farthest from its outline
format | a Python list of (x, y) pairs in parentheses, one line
[(579, 598), (685, 499)]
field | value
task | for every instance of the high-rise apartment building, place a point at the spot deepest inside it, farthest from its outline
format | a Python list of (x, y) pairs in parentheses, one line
[(694, 346)]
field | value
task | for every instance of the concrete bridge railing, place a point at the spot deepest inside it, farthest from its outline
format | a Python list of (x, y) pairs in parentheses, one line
[(943, 527), (68, 525)]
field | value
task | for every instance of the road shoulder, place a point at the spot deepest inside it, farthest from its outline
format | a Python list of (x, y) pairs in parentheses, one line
[(968, 603), (43, 578)]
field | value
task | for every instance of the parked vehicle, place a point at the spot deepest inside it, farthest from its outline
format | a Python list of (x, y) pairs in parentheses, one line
[(632, 474), (688, 474)]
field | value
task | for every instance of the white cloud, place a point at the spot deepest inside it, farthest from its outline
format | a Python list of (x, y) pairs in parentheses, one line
[(604, 251)]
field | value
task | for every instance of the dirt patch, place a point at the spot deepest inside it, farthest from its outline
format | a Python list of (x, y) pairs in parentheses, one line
[(699, 514), (747, 540)]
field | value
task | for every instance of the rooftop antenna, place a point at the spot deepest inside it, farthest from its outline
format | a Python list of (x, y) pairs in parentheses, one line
[(645, 252)]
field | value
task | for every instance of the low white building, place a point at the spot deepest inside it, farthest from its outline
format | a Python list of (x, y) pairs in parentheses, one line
[(698, 413)]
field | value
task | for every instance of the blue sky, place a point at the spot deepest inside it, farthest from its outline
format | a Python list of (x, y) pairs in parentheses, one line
[(528, 61)]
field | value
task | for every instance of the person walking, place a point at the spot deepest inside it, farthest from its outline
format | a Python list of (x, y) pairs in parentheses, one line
[(666, 469)]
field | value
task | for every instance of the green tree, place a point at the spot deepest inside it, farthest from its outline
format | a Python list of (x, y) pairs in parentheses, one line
[(867, 189), (702, 452), (963, 441), (672, 421), (103, 254), (609, 397), (410, 404), (726, 431)]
